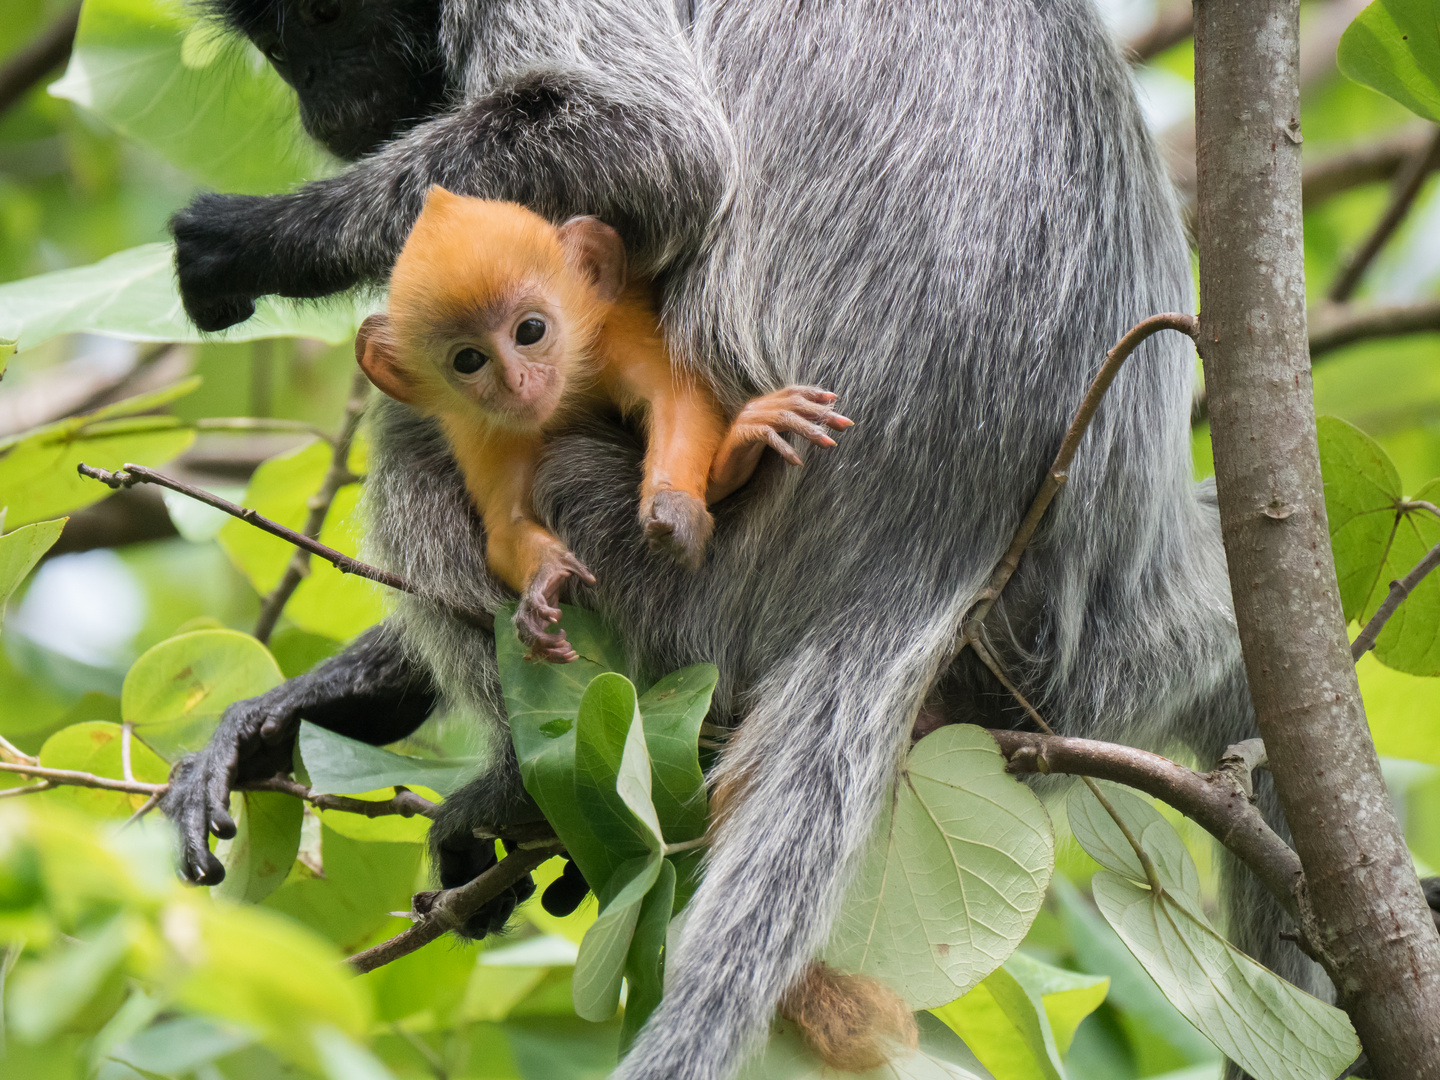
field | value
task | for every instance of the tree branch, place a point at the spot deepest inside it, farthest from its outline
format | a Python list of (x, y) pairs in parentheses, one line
[(49, 50), (83, 779), (404, 803), (1399, 591), (1056, 477), (1215, 801), (1333, 326), (440, 912), (139, 474), (1368, 163), (336, 477), (1408, 182)]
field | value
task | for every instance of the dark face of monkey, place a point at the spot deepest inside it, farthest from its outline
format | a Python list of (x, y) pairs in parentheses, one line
[(364, 70)]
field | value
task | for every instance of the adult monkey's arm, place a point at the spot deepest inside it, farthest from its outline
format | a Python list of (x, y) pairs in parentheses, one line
[(649, 157)]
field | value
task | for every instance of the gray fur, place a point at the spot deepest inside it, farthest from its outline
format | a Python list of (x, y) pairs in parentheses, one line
[(946, 212)]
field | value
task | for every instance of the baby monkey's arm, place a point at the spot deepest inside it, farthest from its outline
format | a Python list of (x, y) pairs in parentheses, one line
[(803, 410), (499, 470)]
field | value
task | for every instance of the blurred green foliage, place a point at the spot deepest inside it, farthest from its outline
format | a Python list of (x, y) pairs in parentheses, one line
[(113, 970)]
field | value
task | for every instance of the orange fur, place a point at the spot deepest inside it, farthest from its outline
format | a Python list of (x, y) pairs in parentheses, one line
[(853, 1022)]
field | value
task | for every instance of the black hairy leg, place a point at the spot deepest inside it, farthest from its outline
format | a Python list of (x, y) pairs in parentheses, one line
[(369, 692), (488, 804)]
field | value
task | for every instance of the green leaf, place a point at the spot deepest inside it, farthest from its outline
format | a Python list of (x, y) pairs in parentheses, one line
[(37, 469), (133, 295), (326, 602), (1410, 640), (939, 1056), (21, 550), (673, 710), (1262, 1022), (204, 100), (644, 972), (7, 350), (601, 963), (95, 747), (180, 1045), (1393, 46), (343, 1059), (177, 691), (1362, 489), (1022, 1017), (46, 994), (341, 766), (954, 876), (264, 847), (1097, 832)]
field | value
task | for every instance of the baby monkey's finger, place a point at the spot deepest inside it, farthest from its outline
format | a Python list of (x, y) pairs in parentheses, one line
[(780, 446)]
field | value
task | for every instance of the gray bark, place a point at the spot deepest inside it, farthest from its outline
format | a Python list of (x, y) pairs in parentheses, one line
[(1367, 916)]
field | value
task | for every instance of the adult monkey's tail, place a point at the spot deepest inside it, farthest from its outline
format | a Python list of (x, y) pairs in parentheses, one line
[(802, 782)]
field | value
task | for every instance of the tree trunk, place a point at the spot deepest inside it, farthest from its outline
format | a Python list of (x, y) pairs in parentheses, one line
[(1370, 923)]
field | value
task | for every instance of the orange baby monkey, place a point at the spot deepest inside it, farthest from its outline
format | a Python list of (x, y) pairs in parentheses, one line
[(501, 326)]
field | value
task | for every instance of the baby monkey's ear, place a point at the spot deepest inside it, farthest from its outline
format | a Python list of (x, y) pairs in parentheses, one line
[(375, 353), (597, 250)]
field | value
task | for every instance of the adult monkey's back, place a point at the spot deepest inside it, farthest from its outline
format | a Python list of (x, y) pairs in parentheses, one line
[(944, 211)]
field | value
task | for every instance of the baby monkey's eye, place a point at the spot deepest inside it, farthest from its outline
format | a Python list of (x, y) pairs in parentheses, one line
[(529, 331), (468, 361)]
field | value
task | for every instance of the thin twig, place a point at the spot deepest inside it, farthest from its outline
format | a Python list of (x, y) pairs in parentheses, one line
[(48, 51), (336, 477), (139, 474), (443, 911), (258, 424), (148, 805), (1399, 590), (84, 779), (1210, 800), (28, 789), (1368, 163), (1408, 182), (405, 803), (1057, 475), (11, 752), (127, 732)]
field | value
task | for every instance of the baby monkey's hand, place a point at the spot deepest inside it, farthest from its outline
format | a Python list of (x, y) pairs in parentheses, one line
[(801, 410), (540, 607)]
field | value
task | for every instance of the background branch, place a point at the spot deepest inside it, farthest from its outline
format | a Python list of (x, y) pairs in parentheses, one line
[(49, 50), (404, 803), (336, 477), (1399, 590)]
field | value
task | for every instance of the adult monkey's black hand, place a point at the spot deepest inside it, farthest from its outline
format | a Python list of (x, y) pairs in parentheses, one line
[(255, 740), (216, 258)]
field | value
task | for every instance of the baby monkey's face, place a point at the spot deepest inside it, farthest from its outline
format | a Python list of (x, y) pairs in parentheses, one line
[(515, 359)]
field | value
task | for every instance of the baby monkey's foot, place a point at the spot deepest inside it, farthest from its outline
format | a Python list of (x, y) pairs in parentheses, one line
[(540, 607), (799, 410), (678, 524)]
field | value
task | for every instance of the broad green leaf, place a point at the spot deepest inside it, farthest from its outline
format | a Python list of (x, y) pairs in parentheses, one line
[(341, 766), (644, 972), (343, 1059), (45, 995), (203, 100), (224, 965), (177, 691), (133, 295), (7, 350), (1410, 640), (21, 550), (37, 468), (1267, 1025), (601, 963), (954, 875), (673, 710), (939, 1056), (95, 747), (1264, 1023), (180, 1045), (1097, 948), (1023, 1017), (326, 602), (266, 841), (363, 883), (1098, 834), (1362, 489), (1393, 46)]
